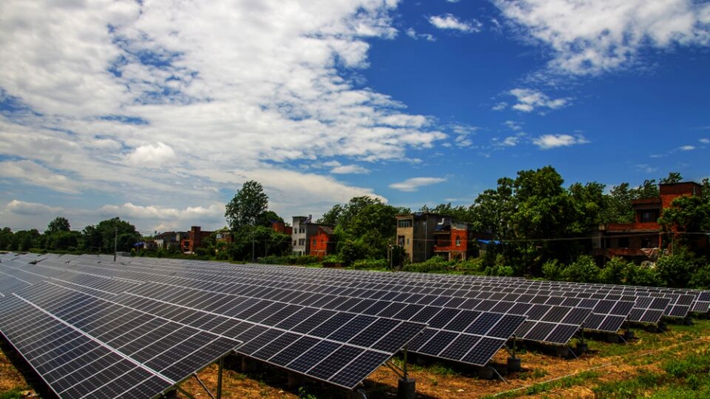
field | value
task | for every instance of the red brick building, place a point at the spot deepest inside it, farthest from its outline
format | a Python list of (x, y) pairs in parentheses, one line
[(281, 227), (641, 240), (194, 239), (323, 243)]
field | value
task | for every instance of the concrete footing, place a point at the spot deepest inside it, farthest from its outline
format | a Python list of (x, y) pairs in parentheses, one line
[(612, 338), (513, 364), (406, 388), (581, 348)]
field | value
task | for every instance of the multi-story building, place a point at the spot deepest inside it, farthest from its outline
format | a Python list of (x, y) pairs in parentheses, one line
[(194, 239), (322, 244), (311, 238), (641, 239), (170, 240), (415, 233), (454, 241)]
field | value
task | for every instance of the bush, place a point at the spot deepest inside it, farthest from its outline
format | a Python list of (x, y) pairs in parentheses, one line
[(552, 270), (434, 264), (584, 270), (378, 264), (615, 271), (676, 270), (499, 271)]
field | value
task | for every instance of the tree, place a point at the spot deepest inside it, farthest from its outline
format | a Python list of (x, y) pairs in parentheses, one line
[(58, 224), (673, 177), (617, 205), (101, 238), (247, 206)]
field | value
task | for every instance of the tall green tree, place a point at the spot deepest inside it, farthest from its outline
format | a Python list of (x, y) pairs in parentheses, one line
[(617, 205), (247, 206), (58, 224), (103, 236)]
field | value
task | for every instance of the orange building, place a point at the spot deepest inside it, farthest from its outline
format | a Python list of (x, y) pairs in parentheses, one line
[(323, 243), (641, 239)]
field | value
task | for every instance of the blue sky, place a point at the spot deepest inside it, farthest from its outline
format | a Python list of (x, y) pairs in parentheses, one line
[(158, 112)]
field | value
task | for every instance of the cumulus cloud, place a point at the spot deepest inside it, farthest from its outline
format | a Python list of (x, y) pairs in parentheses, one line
[(152, 156), (513, 125), (30, 208), (413, 184), (451, 22), (530, 100), (500, 106), (593, 37), (548, 141), (705, 141), (172, 103)]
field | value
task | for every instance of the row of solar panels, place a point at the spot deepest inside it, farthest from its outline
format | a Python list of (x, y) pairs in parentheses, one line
[(550, 319), (465, 324), (133, 348)]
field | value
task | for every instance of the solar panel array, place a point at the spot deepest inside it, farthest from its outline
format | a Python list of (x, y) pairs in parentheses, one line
[(341, 348), (336, 326)]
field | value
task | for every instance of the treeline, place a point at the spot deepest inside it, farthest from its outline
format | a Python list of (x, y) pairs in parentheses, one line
[(59, 237)]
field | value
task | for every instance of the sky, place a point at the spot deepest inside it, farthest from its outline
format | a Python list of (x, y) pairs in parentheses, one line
[(158, 111)]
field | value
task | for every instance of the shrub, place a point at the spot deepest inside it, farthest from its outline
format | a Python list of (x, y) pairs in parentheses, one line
[(552, 270), (584, 270), (379, 264), (676, 270)]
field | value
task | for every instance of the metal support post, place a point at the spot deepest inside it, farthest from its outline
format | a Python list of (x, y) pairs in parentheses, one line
[(219, 378)]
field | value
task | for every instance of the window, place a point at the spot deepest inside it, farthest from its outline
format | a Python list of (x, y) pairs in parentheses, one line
[(458, 241), (302, 242), (624, 242), (405, 223), (314, 242), (400, 241), (649, 216), (294, 243)]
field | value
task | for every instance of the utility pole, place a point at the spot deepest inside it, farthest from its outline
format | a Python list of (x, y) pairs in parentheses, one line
[(115, 243)]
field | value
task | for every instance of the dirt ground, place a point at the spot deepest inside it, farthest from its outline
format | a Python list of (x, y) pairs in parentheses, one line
[(608, 362)]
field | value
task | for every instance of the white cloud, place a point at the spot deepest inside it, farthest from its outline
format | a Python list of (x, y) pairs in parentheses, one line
[(30, 209), (339, 169), (549, 141), (152, 156), (510, 141), (705, 141), (530, 100), (449, 21), (415, 183), (416, 36), (686, 148), (513, 125), (173, 103), (593, 37), (500, 106), (37, 175)]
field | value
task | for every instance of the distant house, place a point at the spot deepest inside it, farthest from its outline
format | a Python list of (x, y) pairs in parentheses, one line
[(641, 240), (323, 243), (424, 235), (454, 241), (194, 239), (311, 238), (281, 227), (170, 240)]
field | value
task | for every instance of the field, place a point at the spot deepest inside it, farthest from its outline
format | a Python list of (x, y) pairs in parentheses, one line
[(672, 364)]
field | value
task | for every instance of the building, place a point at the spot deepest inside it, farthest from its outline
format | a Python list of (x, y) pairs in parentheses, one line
[(311, 238), (323, 243), (641, 240), (281, 227), (415, 233), (194, 239), (170, 240), (453, 240)]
